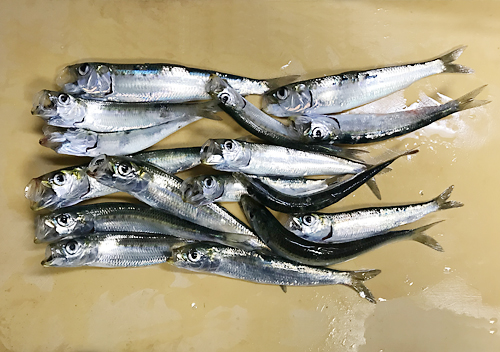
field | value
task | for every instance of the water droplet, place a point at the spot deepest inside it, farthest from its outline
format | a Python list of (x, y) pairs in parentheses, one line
[(408, 281), (194, 306), (493, 331), (493, 320), (447, 270), (421, 192), (343, 342), (382, 299)]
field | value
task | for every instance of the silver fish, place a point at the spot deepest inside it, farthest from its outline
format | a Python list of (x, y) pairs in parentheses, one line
[(152, 82), (82, 142), (363, 223), (331, 94), (368, 128), (111, 250), (270, 160), (64, 110), (159, 189), (71, 185), (262, 269)]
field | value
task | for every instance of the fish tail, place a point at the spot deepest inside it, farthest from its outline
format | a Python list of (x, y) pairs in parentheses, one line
[(442, 200), (419, 236), (209, 110), (467, 101), (274, 83), (372, 185), (451, 56), (356, 282)]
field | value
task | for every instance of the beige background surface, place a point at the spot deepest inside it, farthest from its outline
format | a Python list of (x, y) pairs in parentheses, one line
[(429, 301)]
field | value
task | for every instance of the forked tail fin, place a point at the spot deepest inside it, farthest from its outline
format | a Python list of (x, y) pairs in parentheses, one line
[(451, 56), (419, 236), (467, 101), (357, 278), (442, 200)]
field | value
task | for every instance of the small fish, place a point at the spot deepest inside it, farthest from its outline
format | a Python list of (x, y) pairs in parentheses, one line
[(331, 94), (362, 223), (64, 110), (111, 250), (368, 128), (263, 269), (71, 185), (152, 82), (279, 201), (80, 142), (287, 245), (159, 189), (271, 160), (125, 217)]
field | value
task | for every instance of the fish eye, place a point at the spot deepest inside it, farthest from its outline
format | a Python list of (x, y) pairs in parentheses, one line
[(63, 219), (208, 182), (124, 168), (193, 256), (229, 145), (224, 97), (71, 247), (308, 220), (282, 93), (59, 179), (83, 69), (63, 99), (317, 133)]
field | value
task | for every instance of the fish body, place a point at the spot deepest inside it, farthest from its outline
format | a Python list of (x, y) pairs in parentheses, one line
[(111, 250), (71, 185), (332, 94), (263, 269), (271, 160), (368, 128), (363, 223), (151, 82), (64, 110)]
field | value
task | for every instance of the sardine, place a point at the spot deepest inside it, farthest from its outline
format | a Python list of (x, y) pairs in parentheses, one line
[(362, 223), (64, 110), (271, 160), (287, 245), (263, 269), (159, 189), (111, 250), (331, 94), (152, 82), (285, 203), (80, 142), (71, 185), (368, 128)]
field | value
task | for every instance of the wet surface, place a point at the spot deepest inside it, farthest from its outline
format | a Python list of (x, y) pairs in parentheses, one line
[(428, 301)]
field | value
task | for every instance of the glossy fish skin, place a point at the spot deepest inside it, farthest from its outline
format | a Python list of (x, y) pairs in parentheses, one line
[(362, 223), (111, 250), (64, 110), (151, 82), (159, 189), (284, 203), (271, 160), (332, 94), (286, 244), (368, 128), (263, 269), (71, 185), (81, 142)]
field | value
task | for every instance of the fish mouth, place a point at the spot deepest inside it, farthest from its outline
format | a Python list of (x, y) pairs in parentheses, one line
[(49, 258), (211, 153), (68, 81), (40, 195), (99, 166), (215, 85), (293, 223), (192, 194), (44, 230), (44, 105)]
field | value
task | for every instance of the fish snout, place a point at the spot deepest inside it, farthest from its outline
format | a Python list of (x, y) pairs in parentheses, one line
[(39, 195), (215, 85), (211, 153), (98, 166)]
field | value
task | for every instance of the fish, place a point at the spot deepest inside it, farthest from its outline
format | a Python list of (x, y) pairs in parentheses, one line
[(265, 269), (285, 203), (369, 128), (152, 82), (288, 245), (71, 185), (125, 217), (205, 189), (362, 223), (270, 160), (344, 91), (65, 110), (159, 189), (81, 142), (111, 250)]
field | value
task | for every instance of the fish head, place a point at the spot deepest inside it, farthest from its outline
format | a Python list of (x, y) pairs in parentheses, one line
[(69, 253), (308, 225), (289, 100), (196, 256), (70, 141), (225, 154), (202, 190), (122, 173), (86, 78), (316, 128), (58, 109), (61, 224), (58, 189), (226, 95)]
